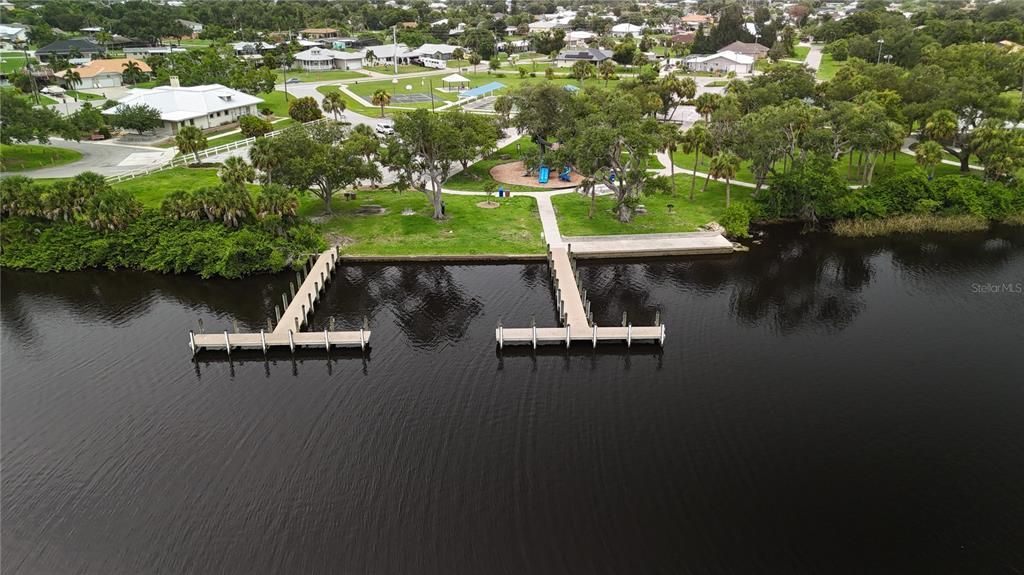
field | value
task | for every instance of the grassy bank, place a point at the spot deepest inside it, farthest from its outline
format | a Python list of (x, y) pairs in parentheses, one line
[(909, 224), (828, 67), (512, 228), (682, 216), (21, 157)]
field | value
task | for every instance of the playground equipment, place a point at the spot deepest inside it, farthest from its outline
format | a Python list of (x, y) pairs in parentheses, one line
[(564, 176), (611, 176), (544, 173)]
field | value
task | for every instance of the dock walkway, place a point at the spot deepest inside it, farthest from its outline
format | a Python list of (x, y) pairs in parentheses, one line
[(286, 333)]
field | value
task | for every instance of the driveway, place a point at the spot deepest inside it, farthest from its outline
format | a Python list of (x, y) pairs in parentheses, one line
[(813, 59)]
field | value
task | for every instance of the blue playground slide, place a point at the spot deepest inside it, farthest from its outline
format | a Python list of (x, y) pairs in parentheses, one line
[(545, 172), (564, 176)]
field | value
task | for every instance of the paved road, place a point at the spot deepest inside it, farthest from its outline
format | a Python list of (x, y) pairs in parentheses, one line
[(106, 159)]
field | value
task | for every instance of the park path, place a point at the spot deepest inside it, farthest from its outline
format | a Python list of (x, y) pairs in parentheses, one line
[(813, 59), (911, 140)]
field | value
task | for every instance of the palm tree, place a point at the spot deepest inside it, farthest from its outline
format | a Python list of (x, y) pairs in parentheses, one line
[(941, 126), (381, 98), (276, 200), (131, 72), (475, 60), (724, 167), (111, 209), (929, 155), (581, 71), (180, 205), (236, 171), (607, 70), (104, 38), (670, 140), (72, 79), (458, 54), (696, 139), (190, 140), (333, 103), (264, 157), (706, 104)]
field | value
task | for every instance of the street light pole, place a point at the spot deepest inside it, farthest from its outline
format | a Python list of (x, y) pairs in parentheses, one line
[(879, 59)]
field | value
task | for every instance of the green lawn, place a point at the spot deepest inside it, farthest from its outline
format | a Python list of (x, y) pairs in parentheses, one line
[(11, 61), (21, 157), (828, 67), (684, 216), (325, 76), (476, 175), (352, 104), (801, 52), (458, 63), (85, 96), (717, 84), (276, 102), (45, 100), (196, 43), (684, 163), (151, 189), (419, 86), (402, 69), (513, 228)]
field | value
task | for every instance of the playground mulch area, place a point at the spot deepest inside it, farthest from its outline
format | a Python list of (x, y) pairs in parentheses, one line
[(514, 173)]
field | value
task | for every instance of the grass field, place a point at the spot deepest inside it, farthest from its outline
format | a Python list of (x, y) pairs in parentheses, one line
[(512, 228), (801, 52), (477, 175), (326, 76), (402, 69), (151, 189), (276, 102), (45, 100), (21, 157), (419, 86), (683, 216), (828, 67), (84, 96), (352, 104), (11, 61)]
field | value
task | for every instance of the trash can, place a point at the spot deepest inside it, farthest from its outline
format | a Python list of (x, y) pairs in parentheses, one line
[(501, 192)]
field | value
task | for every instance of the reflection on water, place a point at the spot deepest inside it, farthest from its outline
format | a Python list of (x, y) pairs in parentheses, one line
[(821, 406)]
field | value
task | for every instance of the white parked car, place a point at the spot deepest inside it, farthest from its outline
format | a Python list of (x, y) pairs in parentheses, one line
[(385, 129)]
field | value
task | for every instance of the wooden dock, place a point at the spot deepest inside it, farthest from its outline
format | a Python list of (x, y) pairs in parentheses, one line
[(287, 333), (575, 316)]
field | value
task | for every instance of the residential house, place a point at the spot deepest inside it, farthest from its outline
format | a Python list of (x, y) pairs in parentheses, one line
[(13, 35), (624, 29), (320, 59), (566, 58), (579, 38), (317, 33), (151, 50), (200, 106), (194, 28), (83, 48), (385, 54), (721, 62), (252, 48), (694, 21), (684, 38), (436, 51), (408, 25), (752, 49), (105, 73)]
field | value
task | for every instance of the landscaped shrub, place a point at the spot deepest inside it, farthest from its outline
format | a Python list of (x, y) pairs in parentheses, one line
[(736, 219), (253, 127)]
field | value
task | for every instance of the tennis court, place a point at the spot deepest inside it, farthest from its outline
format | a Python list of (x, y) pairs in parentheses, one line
[(409, 98)]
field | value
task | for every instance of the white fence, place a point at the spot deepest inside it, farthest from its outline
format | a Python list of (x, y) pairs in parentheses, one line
[(185, 159)]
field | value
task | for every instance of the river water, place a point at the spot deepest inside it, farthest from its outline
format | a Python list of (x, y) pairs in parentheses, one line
[(821, 405)]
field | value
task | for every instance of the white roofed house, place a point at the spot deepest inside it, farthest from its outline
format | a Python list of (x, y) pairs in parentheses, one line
[(578, 38), (722, 62), (320, 59), (436, 51), (204, 107), (384, 54), (624, 29)]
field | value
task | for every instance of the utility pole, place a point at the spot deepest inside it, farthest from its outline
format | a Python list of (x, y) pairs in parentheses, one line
[(431, 94), (394, 48), (879, 59)]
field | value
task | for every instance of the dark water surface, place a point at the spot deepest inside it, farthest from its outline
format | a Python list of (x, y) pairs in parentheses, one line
[(821, 406)]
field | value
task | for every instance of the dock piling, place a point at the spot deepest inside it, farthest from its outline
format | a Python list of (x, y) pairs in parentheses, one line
[(501, 335), (594, 337), (330, 322), (623, 319), (629, 335), (568, 338), (327, 341), (263, 342), (657, 317), (662, 338), (362, 339), (277, 313), (227, 342), (291, 290), (201, 325), (192, 341), (291, 340)]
